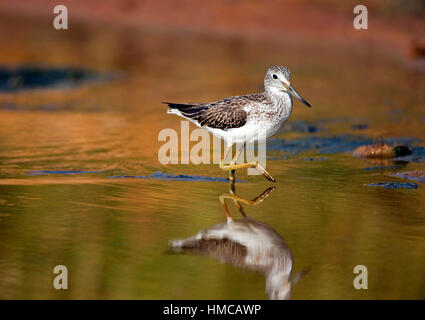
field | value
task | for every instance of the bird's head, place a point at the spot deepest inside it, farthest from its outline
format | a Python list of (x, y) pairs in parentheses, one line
[(279, 282), (278, 81)]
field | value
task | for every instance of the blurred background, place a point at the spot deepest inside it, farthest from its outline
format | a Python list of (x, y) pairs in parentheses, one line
[(80, 114)]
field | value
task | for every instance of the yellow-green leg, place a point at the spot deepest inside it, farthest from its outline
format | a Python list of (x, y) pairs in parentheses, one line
[(238, 200), (232, 166)]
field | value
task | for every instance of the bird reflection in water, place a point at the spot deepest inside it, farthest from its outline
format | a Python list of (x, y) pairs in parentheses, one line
[(247, 243)]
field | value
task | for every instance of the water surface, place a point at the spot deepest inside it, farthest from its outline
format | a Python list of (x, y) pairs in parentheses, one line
[(81, 185)]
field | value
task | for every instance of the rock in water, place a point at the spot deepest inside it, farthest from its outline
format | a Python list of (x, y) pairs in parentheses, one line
[(381, 151)]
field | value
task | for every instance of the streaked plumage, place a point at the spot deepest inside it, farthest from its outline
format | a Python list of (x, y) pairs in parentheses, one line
[(222, 114)]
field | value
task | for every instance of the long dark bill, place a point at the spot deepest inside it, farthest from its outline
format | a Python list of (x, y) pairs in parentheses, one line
[(294, 93)]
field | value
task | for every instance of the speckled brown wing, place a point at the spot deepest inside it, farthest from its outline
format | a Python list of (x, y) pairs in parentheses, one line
[(222, 117), (224, 114)]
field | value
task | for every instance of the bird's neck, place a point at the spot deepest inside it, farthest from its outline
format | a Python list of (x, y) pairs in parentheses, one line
[(280, 99), (278, 285)]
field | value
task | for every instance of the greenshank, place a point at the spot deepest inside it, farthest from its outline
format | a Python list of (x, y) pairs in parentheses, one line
[(248, 244), (239, 119)]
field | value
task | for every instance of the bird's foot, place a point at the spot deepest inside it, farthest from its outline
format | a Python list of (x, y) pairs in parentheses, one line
[(232, 167)]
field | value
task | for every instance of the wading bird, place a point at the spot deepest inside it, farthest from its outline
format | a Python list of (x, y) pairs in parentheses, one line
[(239, 119)]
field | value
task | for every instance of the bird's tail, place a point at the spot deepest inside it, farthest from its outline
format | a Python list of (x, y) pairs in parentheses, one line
[(189, 111), (176, 108)]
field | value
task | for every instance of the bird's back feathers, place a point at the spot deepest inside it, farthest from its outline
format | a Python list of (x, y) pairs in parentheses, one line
[(219, 115)]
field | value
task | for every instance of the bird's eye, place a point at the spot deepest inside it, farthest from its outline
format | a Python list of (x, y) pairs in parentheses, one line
[(274, 76)]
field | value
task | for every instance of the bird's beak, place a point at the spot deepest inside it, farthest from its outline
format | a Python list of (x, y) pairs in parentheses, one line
[(294, 93)]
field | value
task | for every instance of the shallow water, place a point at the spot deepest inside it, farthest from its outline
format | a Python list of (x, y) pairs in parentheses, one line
[(81, 185)]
